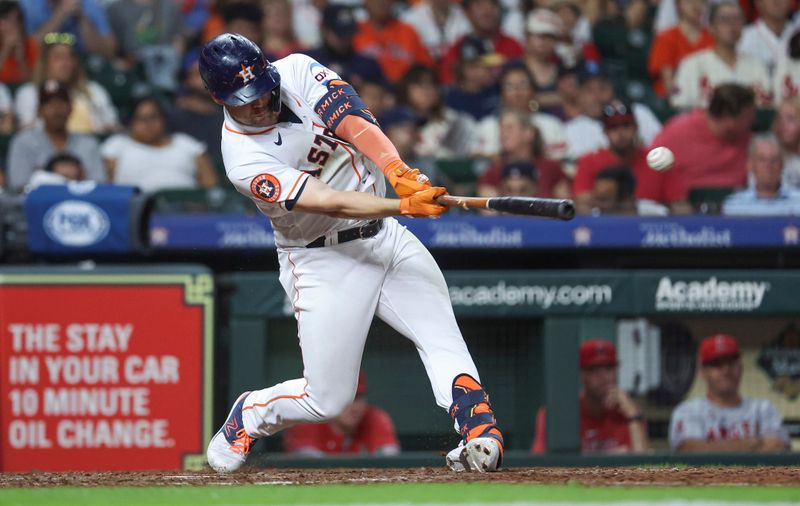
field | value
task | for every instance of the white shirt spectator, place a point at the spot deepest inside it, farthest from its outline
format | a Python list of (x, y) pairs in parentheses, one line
[(748, 203), (453, 136), (306, 21), (585, 134), (791, 171), (700, 72), (437, 38), (699, 418), (95, 105), (666, 15), (554, 136), (761, 43), (154, 168)]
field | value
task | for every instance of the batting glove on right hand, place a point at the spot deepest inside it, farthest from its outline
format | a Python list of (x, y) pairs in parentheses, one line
[(423, 204)]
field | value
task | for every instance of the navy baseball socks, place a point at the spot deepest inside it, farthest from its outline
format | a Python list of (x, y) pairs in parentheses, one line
[(230, 446), (481, 447)]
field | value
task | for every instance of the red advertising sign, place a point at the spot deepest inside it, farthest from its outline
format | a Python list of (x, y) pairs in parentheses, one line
[(103, 375)]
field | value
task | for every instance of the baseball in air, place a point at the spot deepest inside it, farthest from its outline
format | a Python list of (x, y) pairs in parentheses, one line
[(660, 158)]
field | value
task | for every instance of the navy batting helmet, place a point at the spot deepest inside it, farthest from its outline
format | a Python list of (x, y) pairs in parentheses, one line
[(236, 72)]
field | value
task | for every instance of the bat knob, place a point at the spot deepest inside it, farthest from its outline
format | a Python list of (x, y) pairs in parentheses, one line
[(566, 210)]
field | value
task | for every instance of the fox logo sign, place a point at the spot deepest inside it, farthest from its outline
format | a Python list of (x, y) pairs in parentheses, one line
[(246, 73)]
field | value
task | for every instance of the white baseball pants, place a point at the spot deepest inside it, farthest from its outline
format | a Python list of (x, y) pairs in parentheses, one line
[(335, 291)]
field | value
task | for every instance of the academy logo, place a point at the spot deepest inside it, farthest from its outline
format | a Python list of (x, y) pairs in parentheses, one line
[(709, 295), (246, 73), (266, 187)]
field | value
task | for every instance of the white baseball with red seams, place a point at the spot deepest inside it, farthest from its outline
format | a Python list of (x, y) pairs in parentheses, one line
[(660, 158), (335, 290)]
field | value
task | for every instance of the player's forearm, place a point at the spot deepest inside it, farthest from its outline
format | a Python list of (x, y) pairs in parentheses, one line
[(346, 204), (369, 140)]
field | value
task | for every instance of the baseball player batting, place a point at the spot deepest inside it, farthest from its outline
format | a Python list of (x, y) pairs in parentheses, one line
[(301, 144)]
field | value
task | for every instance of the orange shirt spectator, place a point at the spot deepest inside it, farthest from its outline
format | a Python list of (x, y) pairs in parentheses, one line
[(669, 48), (18, 52), (393, 43)]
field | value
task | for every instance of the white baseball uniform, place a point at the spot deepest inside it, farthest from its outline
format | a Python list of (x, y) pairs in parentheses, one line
[(335, 290), (701, 419)]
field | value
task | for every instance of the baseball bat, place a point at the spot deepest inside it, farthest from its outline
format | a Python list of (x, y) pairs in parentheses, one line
[(562, 209)]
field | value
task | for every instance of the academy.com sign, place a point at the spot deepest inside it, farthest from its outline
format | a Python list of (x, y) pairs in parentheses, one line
[(710, 295), (541, 296)]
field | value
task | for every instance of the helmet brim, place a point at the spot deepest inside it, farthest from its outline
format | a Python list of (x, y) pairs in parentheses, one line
[(251, 92)]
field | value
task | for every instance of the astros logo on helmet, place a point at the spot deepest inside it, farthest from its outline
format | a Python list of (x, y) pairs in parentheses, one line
[(266, 187), (246, 73)]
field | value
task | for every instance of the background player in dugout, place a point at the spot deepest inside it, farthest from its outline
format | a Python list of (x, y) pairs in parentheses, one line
[(277, 117)]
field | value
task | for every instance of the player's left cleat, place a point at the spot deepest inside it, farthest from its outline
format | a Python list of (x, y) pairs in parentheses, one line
[(230, 446), (482, 454)]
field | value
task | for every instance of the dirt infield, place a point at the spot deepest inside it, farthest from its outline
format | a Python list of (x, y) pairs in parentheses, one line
[(587, 476)]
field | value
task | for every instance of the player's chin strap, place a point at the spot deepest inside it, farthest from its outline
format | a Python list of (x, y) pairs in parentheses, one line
[(472, 410)]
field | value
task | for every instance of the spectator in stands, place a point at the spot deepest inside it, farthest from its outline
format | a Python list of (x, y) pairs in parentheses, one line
[(610, 421), (674, 44), (60, 169), (626, 39), (393, 43), (338, 28), (786, 79), (521, 141), (517, 92), (92, 109), (446, 133), (361, 428), (575, 42), (723, 420), (520, 179), (710, 145), (484, 16), (153, 159), (278, 39), (766, 38), (195, 113), (150, 32), (585, 132), (475, 90), (85, 19), (376, 96), (439, 23), (243, 17), (569, 92), (613, 191), (766, 195), (624, 148), (6, 113), (698, 73), (31, 148), (786, 128), (307, 16), (544, 29), (18, 51)]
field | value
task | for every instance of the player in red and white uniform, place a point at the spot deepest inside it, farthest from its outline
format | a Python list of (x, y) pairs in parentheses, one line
[(724, 421), (301, 144)]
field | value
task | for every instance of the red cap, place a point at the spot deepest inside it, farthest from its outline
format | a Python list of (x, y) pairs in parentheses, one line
[(596, 352), (718, 346)]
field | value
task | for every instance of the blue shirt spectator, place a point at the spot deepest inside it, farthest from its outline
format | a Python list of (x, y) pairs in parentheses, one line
[(85, 19), (765, 196)]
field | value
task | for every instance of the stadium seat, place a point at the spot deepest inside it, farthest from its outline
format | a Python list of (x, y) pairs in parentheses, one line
[(199, 200), (709, 200), (458, 175), (763, 121)]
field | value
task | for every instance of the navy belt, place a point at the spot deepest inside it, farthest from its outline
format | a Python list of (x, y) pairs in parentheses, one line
[(351, 234)]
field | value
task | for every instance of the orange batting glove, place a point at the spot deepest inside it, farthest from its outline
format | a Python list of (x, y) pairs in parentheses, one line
[(423, 204), (405, 180)]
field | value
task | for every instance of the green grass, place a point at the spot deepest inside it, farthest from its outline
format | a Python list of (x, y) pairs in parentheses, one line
[(486, 493)]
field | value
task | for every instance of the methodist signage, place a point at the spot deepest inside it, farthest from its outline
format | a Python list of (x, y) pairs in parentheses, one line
[(105, 370)]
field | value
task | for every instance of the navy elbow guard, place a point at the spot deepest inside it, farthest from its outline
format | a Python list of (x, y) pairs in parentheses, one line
[(340, 101)]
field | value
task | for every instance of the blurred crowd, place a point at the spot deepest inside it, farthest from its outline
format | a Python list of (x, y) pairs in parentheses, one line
[(548, 98)]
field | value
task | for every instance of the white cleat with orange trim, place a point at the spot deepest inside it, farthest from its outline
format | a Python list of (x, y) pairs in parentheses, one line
[(480, 454), (230, 446)]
